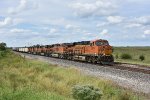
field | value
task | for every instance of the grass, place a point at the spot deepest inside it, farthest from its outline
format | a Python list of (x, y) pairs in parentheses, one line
[(23, 79), (135, 52)]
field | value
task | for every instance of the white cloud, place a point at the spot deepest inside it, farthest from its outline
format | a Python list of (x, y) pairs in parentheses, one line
[(111, 20), (100, 7), (23, 5), (145, 20), (115, 19), (69, 26), (45, 28), (102, 24), (132, 25), (143, 36), (73, 27), (147, 32), (35, 33), (104, 32), (127, 22), (7, 21), (138, 22), (53, 30), (17, 21), (16, 30)]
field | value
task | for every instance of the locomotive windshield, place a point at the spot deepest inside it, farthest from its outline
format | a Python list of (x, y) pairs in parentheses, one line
[(99, 43)]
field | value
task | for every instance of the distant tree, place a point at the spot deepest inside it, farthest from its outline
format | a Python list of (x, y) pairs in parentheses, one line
[(142, 57), (3, 46)]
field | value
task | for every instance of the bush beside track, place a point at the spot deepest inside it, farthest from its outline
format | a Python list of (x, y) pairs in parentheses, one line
[(34, 80)]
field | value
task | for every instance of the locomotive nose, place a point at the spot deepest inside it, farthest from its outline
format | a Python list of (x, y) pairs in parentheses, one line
[(107, 50)]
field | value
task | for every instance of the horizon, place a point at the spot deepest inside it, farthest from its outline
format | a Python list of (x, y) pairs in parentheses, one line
[(31, 22)]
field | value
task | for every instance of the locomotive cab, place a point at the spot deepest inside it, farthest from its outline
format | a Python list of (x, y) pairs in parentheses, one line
[(103, 47)]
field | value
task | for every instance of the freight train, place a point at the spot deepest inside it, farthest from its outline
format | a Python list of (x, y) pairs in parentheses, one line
[(96, 51)]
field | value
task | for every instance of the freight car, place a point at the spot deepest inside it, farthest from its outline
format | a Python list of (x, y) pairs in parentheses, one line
[(96, 51)]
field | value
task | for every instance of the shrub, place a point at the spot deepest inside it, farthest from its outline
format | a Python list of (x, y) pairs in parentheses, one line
[(142, 57), (126, 56), (117, 56), (86, 93)]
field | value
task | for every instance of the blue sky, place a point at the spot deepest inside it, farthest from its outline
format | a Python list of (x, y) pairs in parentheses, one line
[(30, 22)]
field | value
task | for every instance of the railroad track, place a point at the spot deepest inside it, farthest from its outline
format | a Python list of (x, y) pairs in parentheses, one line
[(132, 67), (126, 66), (118, 65)]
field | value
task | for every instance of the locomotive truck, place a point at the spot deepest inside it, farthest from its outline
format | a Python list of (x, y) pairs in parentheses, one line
[(96, 51)]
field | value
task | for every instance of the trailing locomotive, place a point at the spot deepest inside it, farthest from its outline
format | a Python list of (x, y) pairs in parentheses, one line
[(96, 51)]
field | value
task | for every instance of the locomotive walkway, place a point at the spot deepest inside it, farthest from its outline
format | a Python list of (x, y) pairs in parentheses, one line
[(135, 80)]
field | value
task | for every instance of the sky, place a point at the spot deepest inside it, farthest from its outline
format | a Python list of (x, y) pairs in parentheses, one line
[(30, 22)]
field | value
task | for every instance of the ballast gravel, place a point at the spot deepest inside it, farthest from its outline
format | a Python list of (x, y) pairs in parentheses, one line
[(138, 82)]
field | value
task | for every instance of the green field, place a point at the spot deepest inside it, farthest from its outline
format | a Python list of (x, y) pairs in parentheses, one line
[(23, 79), (135, 52)]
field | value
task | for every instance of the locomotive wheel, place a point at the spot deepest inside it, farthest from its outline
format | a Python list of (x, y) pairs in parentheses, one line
[(94, 60), (88, 59), (59, 55)]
